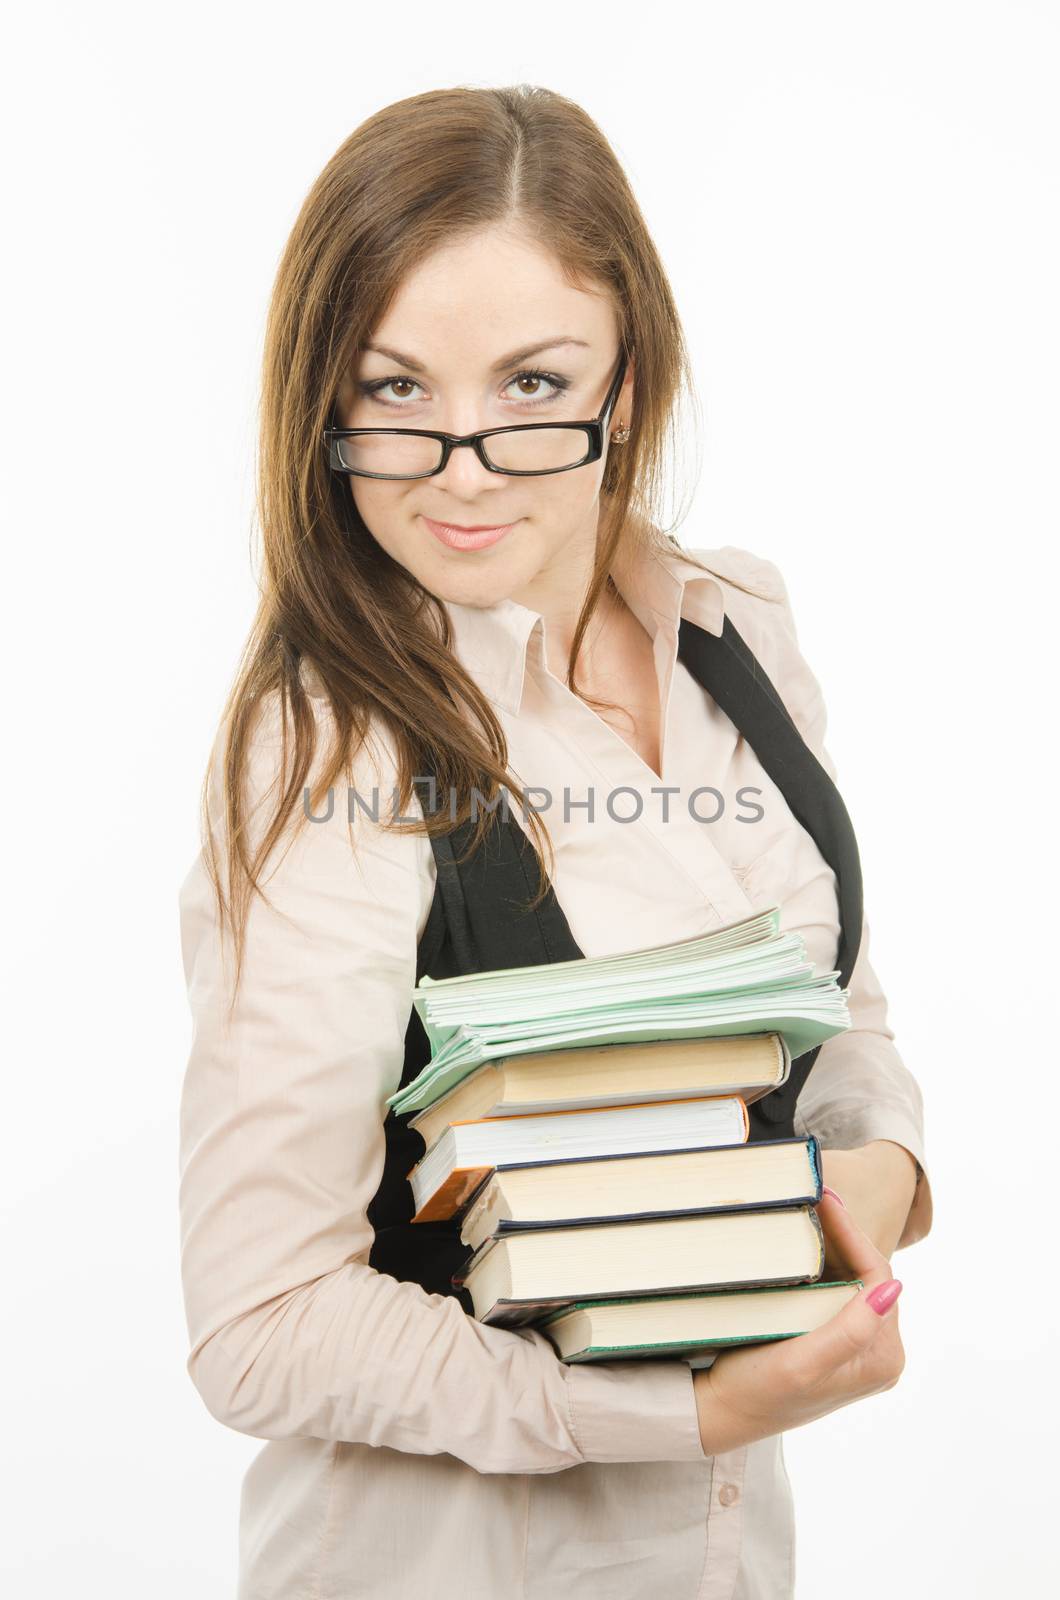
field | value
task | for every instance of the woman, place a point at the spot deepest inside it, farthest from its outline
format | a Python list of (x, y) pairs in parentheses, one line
[(506, 617)]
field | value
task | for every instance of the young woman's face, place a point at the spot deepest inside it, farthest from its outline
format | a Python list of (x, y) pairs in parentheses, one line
[(450, 334)]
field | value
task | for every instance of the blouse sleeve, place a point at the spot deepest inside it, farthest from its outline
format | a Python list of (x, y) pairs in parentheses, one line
[(859, 1089), (291, 1332)]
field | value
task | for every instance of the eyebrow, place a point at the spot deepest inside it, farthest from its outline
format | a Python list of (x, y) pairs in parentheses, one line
[(509, 360)]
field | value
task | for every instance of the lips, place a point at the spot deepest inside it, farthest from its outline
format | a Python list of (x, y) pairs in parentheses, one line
[(457, 538)]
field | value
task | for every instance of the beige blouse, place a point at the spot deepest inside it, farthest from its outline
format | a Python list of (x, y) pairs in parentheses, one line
[(412, 1451)]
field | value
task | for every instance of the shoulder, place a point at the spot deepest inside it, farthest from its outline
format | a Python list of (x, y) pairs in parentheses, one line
[(272, 757), (375, 757), (756, 599), (743, 570)]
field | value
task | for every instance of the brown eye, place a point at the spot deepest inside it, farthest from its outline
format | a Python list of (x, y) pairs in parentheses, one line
[(376, 386), (533, 381)]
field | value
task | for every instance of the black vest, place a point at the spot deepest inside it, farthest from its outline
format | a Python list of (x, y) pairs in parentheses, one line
[(478, 923)]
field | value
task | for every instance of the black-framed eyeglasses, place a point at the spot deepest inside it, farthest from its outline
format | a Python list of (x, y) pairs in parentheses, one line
[(525, 451)]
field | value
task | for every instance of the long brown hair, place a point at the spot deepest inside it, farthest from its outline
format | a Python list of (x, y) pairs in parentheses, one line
[(412, 177)]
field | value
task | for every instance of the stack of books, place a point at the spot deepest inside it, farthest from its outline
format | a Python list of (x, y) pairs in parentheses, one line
[(586, 1122)]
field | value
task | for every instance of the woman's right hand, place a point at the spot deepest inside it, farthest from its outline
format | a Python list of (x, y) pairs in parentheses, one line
[(754, 1391)]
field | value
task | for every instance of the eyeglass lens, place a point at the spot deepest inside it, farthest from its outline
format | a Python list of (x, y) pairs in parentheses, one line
[(394, 455)]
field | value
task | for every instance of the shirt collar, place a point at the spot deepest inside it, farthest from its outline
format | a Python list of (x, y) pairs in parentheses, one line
[(659, 585)]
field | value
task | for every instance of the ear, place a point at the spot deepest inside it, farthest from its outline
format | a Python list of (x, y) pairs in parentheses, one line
[(622, 415)]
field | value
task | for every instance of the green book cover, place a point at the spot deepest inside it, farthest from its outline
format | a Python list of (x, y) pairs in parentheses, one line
[(671, 1349)]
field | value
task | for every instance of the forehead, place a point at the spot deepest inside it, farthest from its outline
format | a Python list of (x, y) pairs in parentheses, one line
[(477, 299)]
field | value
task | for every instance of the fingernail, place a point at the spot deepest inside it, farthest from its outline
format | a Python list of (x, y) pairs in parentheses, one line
[(826, 1190), (882, 1298)]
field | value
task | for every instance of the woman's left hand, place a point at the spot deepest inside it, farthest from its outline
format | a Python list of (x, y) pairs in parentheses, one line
[(876, 1183)]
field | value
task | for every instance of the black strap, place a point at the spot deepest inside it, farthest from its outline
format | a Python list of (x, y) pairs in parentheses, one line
[(725, 665), (486, 902), (485, 899)]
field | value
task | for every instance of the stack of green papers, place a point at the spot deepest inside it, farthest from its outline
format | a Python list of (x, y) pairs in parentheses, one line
[(747, 977)]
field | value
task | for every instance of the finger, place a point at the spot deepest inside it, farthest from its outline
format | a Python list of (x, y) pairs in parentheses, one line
[(844, 1238), (851, 1332), (835, 1266)]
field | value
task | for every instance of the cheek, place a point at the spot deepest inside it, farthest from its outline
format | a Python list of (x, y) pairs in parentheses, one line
[(380, 508), (556, 510), (567, 497)]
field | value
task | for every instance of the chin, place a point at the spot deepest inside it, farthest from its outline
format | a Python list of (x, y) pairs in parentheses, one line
[(474, 579), (467, 591)]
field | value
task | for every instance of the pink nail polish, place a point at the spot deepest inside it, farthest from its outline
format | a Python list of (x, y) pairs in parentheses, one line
[(826, 1190), (882, 1298)]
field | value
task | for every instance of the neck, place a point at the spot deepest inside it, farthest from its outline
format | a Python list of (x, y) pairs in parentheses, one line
[(558, 592)]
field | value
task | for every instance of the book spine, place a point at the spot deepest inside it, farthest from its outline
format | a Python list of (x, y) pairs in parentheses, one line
[(461, 1184), (789, 1203), (519, 1313)]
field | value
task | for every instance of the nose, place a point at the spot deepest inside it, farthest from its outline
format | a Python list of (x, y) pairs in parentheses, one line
[(464, 473)]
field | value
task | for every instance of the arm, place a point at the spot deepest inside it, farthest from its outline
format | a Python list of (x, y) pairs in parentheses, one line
[(281, 1151), (860, 1099), (867, 1110)]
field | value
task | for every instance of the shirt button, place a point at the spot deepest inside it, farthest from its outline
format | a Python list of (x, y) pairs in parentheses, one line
[(728, 1494)]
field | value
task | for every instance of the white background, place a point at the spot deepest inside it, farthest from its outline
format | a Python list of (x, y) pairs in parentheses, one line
[(857, 206)]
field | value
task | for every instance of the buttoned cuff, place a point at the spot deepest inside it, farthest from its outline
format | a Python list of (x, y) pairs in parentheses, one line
[(634, 1410), (889, 1122), (886, 1124)]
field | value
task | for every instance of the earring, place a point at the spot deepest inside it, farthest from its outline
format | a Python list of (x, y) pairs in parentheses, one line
[(620, 436)]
